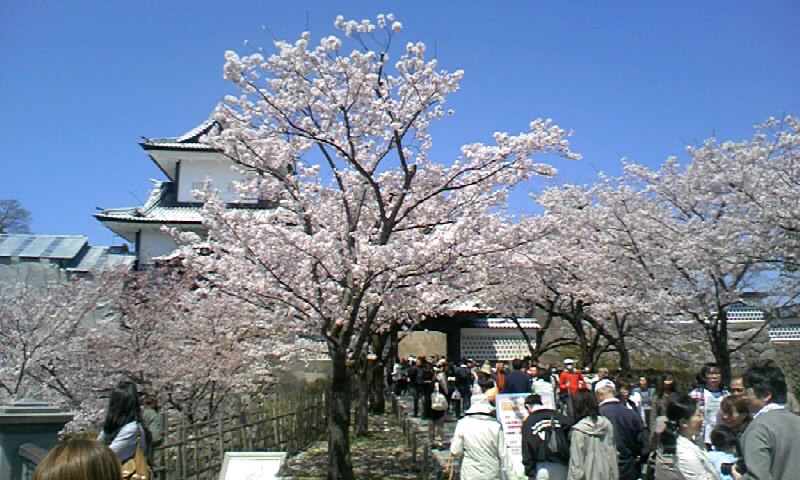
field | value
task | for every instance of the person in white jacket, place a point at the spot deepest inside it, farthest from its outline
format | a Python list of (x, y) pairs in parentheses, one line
[(479, 438), (684, 424)]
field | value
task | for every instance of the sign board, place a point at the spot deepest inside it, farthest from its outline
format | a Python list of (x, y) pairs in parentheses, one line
[(252, 465), (511, 412)]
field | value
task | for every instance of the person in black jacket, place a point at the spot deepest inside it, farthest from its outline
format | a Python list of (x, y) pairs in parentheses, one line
[(629, 433), (463, 376), (415, 378), (517, 381), (427, 389), (537, 462)]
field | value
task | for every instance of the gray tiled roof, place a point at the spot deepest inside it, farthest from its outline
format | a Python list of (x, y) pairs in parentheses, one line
[(98, 258), (42, 246), (189, 140), (161, 207), (493, 322), (71, 252)]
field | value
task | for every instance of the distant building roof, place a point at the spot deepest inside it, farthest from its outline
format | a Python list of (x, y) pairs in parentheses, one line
[(467, 306), (70, 252), (98, 258), (41, 246), (496, 322), (188, 141), (161, 207)]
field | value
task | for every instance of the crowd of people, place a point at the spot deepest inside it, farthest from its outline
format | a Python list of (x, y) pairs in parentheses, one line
[(596, 428), (607, 428)]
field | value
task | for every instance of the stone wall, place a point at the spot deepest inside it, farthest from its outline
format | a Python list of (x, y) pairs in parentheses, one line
[(788, 357), (427, 343)]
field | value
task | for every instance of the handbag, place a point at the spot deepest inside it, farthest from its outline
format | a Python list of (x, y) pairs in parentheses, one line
[(456, 395), (438, 401), (450, 468), (136, 468)]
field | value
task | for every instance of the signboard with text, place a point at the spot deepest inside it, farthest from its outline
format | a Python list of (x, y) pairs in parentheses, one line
[(511, 412)]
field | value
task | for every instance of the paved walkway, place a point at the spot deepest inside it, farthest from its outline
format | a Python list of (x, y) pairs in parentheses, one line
[(439, 456)]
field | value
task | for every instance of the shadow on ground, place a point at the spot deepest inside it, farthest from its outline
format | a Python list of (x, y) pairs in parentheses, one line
[(381, 455)]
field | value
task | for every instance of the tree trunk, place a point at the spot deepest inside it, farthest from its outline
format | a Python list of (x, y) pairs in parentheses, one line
[(385, 347), (525, 336), (340, 465), (719, 347), (377, 401), (624, 355), (362, 400)]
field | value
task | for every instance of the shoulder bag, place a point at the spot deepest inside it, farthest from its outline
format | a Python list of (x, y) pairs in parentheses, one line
[(136, 468)]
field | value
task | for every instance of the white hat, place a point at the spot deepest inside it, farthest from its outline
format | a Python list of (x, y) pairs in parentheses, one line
[(480, 404), (569, 361), (605, 383)]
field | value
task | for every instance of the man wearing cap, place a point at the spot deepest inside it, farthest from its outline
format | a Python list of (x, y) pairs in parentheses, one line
[(479, 438), (602, 379)]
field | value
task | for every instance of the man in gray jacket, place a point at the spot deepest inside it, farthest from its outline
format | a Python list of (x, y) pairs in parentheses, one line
[(770, 444)]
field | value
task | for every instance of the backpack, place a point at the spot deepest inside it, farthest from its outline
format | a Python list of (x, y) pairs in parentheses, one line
[(438, 400), (556, 444), (463, 376)]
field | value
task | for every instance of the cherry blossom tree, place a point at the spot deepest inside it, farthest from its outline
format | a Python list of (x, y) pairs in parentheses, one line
[(365, 222), (729, 228), (208, 340), (44, 315)]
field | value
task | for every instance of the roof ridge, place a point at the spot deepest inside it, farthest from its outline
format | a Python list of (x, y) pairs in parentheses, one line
[(41, 235), (160, 189), (189, 137)]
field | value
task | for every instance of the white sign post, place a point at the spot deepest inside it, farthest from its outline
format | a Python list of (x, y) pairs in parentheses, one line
[(511, 412), (252, 465)]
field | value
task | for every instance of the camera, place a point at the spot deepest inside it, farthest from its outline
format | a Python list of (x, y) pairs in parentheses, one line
[(726, 468)]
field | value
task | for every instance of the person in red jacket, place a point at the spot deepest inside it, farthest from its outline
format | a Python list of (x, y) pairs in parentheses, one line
[(570, 380)]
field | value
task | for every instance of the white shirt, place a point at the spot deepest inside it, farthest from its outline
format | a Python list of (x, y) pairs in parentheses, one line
[(692, 461)]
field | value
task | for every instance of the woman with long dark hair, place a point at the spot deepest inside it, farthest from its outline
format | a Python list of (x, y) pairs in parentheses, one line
[(123, 427), (593, 451), (684, 422), (665, 387)]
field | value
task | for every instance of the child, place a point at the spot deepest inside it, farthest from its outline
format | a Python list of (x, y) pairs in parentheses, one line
[(723, 439)]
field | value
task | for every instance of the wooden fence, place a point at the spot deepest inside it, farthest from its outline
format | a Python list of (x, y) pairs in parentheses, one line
[(282, 422)]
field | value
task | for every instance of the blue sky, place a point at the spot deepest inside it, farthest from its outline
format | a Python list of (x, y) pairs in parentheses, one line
[(81, 82)]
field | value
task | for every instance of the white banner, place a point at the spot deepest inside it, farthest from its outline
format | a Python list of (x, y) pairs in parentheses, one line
[(511, 412)]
